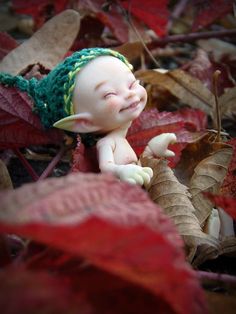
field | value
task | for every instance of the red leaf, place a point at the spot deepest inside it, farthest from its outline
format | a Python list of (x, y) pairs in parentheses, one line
[(40, 10), (153, 13), (226, 202), (210, 10), (151, 123), (112, 18), (84, 158), (7, 43), (112, 224), (19, 126), (24, 291), (132, 253)]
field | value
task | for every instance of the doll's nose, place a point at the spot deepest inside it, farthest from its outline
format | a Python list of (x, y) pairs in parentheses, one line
[(130, 94)]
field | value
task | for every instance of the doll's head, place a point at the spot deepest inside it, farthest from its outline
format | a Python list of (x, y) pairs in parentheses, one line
[(93, 90)]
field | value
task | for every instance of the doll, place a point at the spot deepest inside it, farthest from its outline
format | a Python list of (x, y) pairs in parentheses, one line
[(95, 91)]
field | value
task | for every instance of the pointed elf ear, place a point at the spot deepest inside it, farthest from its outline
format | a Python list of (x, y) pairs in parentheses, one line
[(78, 123)]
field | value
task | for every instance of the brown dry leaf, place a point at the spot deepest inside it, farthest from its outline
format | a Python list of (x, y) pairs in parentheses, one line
[(131, 51), (207, 177), (5, 179), (47, 46), (217, 47), (227, 102), (166, 191), (185, 87), (228, 246)]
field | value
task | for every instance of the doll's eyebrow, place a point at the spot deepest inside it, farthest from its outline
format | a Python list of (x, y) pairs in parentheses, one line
[(99, 85)]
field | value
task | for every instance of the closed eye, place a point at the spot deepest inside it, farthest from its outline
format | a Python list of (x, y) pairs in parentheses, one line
[(110, 94), (134, 84)]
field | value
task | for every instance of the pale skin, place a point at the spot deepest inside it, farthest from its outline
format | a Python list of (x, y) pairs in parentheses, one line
[(107, 98)]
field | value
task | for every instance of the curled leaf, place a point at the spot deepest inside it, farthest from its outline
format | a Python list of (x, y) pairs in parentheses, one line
[(208, 176), (166, 191)]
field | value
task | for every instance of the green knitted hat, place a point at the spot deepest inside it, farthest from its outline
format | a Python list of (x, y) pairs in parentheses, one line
[(52, 95)]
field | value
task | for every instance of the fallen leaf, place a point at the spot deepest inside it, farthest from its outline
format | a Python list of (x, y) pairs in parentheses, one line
[(131, 253), (111, 224), (39, 292), (112, 18), (188, 89), (84, 158), (218, 48), (210, 10), (5, 179), (131, 50), (19, 126), (228, 187), (7, 43), (166, 191), (42, 48), (203, 68), (227, 103), (208, 176), (38, 9), (154, 14)]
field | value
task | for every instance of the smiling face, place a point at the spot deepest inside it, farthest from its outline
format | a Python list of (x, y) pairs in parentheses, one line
[(107, 90)]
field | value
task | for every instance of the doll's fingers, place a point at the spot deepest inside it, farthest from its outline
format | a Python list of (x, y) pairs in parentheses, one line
[(138, 178), (131, 181), (146, 178), (148, 171), (169, 153)]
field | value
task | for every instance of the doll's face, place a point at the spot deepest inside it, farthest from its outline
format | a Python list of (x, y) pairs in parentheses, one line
[(107, 90)]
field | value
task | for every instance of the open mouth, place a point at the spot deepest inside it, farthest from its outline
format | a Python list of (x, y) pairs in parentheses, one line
[(130, 107)]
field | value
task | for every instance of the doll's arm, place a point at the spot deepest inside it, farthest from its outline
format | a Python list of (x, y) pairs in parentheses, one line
[(130, 173), (158, 146)]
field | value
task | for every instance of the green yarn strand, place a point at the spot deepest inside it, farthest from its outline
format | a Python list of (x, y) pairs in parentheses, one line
[(15, 81)]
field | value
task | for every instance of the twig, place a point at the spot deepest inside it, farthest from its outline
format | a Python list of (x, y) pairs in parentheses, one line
[(26, 164), (224, 278), (129, 20), (53, 163), (190, 37), (215, 80)]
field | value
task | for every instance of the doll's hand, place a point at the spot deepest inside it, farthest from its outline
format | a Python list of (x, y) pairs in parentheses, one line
[(134, 174), (158, 146)]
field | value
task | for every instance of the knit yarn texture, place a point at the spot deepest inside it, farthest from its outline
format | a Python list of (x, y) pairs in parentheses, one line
[(52, 95)]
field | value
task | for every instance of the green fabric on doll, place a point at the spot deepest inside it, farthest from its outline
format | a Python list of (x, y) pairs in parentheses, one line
[(52, 95)]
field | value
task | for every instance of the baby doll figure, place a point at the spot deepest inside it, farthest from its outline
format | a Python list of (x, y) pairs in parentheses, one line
[(95, 91)]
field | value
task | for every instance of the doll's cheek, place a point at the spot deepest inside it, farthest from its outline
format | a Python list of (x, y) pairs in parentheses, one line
[(112, 104)]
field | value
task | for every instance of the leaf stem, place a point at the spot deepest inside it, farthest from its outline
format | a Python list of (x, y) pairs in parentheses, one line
[(26, 164), (53, 163), (215, 91)]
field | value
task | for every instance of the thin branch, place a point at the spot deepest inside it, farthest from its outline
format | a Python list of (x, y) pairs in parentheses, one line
[(223, 278), (129, 20), (26, 164), (190, 37), (53, 163)]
